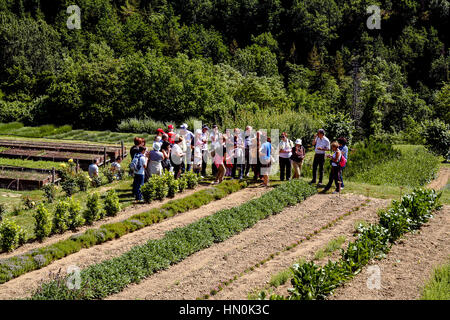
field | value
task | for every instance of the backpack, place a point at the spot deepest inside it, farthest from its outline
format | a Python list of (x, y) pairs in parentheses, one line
[(343, 161), (135, 164)]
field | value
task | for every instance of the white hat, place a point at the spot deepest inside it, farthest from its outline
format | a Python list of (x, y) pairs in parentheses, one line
[(184, 126), (298, 141), (156, 146)]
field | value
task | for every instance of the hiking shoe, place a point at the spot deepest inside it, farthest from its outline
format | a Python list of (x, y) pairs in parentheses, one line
[(320, 184), (312, 182), (335, 192)]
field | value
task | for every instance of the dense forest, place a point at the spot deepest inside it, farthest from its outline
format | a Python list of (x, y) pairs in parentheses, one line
[(290, 63)]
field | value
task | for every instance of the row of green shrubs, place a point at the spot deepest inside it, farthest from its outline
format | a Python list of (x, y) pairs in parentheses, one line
[(66, 216), (160, 187), (111, 276), (374, 241), (35, 259)]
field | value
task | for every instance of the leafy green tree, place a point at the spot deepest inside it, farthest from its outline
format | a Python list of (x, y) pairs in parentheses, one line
[(437, 136)]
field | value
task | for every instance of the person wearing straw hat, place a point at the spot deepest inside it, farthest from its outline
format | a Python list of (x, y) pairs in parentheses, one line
[(297, 157)]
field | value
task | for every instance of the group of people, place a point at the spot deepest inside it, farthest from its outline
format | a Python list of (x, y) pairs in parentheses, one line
[(232, 154)]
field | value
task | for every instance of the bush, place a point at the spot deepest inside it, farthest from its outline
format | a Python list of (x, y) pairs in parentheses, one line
[(49, 192), (182, 184), (338, 125), (172, 184), (61, 217), (2, 211), (43, 226), (145, 125), (82, 181), (69, 185), (112, 204), (11, 235), (93, 210), (192, 179), (97, 181), (155, 188), (28, 202), (75, 218), (437, 137), (110, 177)]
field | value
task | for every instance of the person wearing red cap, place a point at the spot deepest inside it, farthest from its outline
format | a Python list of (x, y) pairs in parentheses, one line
[(171, 134)]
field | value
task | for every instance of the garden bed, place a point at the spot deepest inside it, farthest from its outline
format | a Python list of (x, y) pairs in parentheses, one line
[(19, 178)]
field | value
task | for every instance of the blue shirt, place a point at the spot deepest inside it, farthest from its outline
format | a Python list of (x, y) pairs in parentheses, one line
[(266, 148)]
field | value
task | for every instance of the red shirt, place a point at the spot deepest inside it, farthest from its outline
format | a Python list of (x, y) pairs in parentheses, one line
[(171, 137)]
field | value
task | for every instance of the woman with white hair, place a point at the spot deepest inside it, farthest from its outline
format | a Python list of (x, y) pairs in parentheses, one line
[(155, 158), (298, 155)]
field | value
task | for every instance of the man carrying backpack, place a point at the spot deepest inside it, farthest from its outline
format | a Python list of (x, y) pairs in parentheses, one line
[(138, 165)]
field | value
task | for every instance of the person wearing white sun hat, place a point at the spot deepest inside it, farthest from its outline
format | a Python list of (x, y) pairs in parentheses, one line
[(297, 157)]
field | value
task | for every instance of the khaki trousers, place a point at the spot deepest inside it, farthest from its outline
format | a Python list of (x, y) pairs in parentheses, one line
[(297, 169)]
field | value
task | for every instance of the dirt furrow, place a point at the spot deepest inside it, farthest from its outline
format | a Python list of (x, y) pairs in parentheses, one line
[(260, 277), (408, 265), (25, 284), (198, 273), (123, 215)]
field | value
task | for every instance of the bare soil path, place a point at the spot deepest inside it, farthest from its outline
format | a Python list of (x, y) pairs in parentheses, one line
[(442, 179), (24, 285), (408, 265), (197, 274), (260, 277)]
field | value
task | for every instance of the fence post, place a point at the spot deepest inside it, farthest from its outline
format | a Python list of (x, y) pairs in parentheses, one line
[(121, 149), (53, 174), (104, 157)]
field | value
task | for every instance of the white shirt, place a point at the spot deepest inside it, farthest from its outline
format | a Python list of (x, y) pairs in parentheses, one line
[(205, 137), (285, 145), (322, 143), (176, 154)]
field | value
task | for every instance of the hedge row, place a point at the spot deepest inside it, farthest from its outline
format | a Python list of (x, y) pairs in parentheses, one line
[(111, 276), (374, 242), (38, 258)]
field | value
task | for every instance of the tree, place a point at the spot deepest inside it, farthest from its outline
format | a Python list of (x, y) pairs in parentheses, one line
[(437, 136)]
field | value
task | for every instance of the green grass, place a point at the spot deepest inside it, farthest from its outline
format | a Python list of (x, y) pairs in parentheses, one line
[(331, 247), (415, 168), (438, 287)]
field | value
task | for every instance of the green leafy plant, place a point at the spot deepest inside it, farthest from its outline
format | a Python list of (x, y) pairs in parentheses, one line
[(11, 235), (69, 185), (82, 181), (182, 184), (43, 225), (28, 202), (61, 217), (192, 179), (49, 192), (110, 177), (172, 184), (75, 218), (3, 210), (112, 204), (93, 210), (96, 181)]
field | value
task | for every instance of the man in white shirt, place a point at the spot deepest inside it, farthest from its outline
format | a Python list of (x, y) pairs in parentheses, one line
[(322, 145), (215, 143), (204, 138), (286, 146), (93, 169), (189, 141)]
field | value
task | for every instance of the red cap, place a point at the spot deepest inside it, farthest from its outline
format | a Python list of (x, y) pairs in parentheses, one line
[(160, 130), (170, 126)]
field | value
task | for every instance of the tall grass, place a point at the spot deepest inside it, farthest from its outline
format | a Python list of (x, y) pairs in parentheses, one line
[(438, 288), (145, 125), (416, 167)]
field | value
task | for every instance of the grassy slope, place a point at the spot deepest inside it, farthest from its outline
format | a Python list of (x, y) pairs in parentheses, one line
[(438, 288)]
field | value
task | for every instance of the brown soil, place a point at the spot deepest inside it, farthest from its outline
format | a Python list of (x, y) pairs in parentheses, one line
[(442, 179), (254, 281), (123, 215), (408, 265), (199, 273), (24, 285)]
